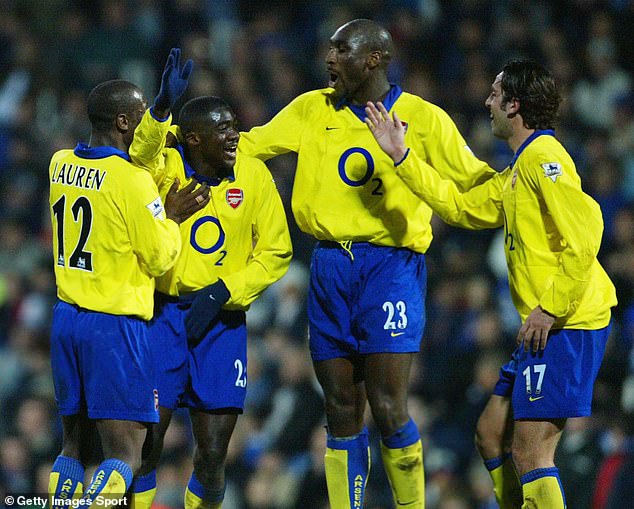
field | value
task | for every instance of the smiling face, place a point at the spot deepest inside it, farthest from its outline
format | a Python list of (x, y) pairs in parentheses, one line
[(347, 61), (500, 121), (219, 138)]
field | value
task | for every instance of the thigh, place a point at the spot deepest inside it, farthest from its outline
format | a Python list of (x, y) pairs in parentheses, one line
[(329, 303), (387, 382), (65, 361), (117, 369), (212, 431), (122, 439), (343, 385), (389, 309), (494, 430), (168, 344), (218, 366), (535, 442)]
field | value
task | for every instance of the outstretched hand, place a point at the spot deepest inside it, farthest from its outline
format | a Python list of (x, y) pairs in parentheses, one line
[(173, 83), (181, 204), (388, 132)]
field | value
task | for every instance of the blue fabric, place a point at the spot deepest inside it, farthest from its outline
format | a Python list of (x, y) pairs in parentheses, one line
[(403, 437), (368, 300), (209, 495), (102, 363), (86, 152), (102, 475), (204, 308), (68, 469), (528, 141), (493, 463), (558, 381), (210, 375), (174, 80), (358, 462), (359, 110), (144, 482)]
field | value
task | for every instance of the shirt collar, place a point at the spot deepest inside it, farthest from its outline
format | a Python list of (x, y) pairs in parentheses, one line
[(84, 151), (191, 173), (359, 110), (528, 141)]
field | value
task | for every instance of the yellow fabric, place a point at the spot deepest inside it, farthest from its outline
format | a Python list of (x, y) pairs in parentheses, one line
[(336, 467), (53, 482), (404, 468), (143, 499), (252, 250), (115, 234), (114, 488), (553, 230), (543, 493), (193, 501), (333, 144), (506, 485)]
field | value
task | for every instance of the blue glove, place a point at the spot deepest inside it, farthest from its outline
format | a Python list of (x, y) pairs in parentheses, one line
[(205, 307), (173, 82)]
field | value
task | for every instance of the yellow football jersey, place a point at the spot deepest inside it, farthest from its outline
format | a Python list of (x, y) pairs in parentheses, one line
[(110, 234), (241, 236), (345, 186), (553, 229)]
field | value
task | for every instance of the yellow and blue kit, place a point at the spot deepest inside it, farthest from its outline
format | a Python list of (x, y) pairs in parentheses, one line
[(110, 238), (346, 192), (241, 236), (553, 234)]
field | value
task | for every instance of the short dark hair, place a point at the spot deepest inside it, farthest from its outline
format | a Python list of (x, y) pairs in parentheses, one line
[(535, 89), (111, 98), (195, 113), (375, 37)]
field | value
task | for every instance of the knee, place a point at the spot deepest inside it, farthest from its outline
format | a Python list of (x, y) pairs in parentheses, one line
[(209, 456), (389, 414)]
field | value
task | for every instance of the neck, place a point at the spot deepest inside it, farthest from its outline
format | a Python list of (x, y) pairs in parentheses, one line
[(202, 167), (518, 137), (371, 90), (98, 139)]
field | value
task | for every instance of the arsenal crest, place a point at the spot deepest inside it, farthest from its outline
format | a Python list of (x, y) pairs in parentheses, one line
[(234, 197)]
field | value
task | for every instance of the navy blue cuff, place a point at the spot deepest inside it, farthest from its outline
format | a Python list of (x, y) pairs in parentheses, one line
[(402, 158), (220, 291), (159, 119)]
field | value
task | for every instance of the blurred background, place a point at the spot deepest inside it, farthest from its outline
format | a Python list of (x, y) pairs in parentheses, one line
[(259, 55)]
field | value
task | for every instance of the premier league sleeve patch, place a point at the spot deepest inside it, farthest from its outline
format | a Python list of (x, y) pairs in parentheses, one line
[(552, 170), (156, 207)]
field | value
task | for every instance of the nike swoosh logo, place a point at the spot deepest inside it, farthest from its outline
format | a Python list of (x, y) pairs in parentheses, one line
[(331, 128), (394, 334), (212, 297), (531, 398)]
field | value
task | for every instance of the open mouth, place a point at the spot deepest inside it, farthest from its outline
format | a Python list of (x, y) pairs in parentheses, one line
[(230, 150), (332, 78)]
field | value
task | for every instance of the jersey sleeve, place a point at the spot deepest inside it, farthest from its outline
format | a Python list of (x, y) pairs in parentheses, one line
[(449, 154), (578, 220), (478, 208), (146, 150), (272, 249), (155, 239), (280, 135)]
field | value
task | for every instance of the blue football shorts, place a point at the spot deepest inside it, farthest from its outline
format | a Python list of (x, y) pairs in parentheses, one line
[(210, 376), (370, 299), (102, 363), (557, 382)]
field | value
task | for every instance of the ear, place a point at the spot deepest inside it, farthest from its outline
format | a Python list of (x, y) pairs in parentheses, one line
[(374, 59), (513, 106), (192, 138), (122, 122)]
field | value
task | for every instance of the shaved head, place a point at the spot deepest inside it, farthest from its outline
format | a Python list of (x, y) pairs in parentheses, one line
[(369, 35), (111, 98), (200, 112)]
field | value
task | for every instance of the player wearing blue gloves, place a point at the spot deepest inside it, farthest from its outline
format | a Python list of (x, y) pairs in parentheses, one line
[(233, 249)]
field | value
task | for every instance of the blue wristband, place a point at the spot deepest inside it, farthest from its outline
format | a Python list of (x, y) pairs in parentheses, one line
[(402, 158)]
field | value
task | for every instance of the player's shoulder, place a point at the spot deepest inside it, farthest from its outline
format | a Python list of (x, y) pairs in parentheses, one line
[(250, 168), (425, 113), (322, 97)]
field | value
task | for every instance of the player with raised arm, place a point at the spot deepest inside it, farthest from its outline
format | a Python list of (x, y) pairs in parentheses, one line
[(112, 236), (233, 249), (563, 295), (366, 304)]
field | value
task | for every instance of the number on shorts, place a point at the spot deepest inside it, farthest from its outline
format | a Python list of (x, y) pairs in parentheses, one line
[(538, 369), (241, 379), (392, 310)]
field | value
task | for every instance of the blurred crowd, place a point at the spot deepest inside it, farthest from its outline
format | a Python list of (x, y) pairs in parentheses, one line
[(259, 55)]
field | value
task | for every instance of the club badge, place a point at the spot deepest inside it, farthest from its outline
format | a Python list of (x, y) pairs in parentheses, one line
[(234, 197)]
